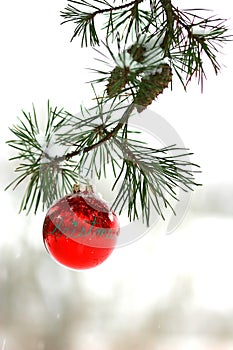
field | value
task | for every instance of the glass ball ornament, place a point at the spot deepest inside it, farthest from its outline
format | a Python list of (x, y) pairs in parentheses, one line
[(80, 231)]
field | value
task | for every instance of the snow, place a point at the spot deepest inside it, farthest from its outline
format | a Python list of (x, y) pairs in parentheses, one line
[(41, 139), (55, 149), (153, 56), (154, 42), (52, 148), (198, 30), (124, 59)]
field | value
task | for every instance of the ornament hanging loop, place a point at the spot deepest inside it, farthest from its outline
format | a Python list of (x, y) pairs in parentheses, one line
[(88, 188), (76, 188)]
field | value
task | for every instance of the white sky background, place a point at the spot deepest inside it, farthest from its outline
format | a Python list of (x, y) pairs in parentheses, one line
[(37, 63)]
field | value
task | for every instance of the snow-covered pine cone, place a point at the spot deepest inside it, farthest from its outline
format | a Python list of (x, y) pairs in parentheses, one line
[(137, 52), (152, 85)]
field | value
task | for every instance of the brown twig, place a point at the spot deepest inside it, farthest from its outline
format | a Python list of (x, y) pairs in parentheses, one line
[(110, 9), (168, 9), (107, 137)]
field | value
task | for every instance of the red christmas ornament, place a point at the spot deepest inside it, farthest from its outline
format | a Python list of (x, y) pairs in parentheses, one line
[(80, 231)]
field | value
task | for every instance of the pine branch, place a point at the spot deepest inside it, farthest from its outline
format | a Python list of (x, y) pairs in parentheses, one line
[(85, 20), (45, 180), (50, 176), (149, 179), (107, 137), (168, 9), (145, 46)]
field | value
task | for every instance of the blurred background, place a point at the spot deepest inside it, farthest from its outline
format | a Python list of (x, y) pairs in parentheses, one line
[(163, 292)]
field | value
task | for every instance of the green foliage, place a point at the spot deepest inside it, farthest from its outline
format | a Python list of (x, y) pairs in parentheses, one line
[(98, 139), (149, 177), (190, 39), (145, 41), (46, 179)]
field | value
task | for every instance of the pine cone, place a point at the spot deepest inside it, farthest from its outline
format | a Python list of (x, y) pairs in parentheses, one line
[(151, 86), (137, 52), (117, 81)]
